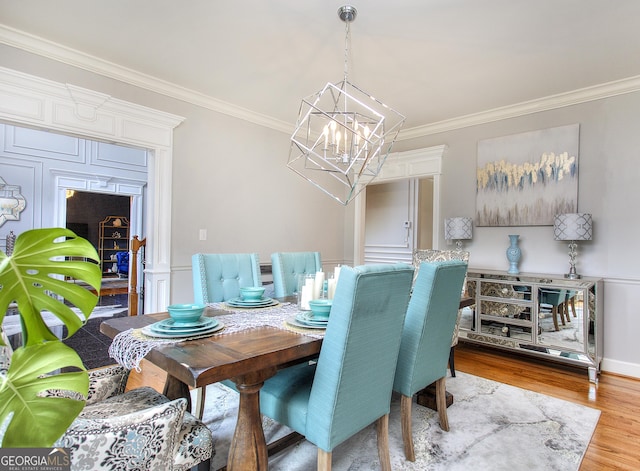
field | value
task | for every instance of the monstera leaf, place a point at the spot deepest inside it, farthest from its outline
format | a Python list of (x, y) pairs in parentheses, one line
[(36, 271), (39, 420), (35, 278)]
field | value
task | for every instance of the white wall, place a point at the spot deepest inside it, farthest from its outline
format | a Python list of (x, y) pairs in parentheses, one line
[(609, 175)]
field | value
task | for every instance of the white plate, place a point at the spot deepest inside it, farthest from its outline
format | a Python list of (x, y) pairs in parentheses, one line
[(177, 335)]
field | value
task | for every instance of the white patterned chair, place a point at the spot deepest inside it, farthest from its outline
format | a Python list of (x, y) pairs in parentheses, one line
[(135, 430), (138, 429), (431, 255)]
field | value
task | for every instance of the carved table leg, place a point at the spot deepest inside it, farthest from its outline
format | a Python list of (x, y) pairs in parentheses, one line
[(248, 449)]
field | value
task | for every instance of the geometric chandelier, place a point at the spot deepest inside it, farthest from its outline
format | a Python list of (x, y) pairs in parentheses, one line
[(343, 135)]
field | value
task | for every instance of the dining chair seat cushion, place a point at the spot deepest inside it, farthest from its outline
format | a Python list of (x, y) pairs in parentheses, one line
[(285, 397)]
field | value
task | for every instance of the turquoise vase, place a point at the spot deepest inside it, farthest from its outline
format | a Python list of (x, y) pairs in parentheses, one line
[(513, 254)]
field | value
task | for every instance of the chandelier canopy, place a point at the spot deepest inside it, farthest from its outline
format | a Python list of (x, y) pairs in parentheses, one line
[(343, 134)]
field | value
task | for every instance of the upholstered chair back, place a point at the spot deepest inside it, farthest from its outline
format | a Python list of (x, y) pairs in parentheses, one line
[(432, 255), (428, 327), (219, 277), (357, 362), (287, 266)]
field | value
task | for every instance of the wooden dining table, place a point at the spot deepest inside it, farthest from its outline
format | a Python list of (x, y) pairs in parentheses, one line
[(247, 357)]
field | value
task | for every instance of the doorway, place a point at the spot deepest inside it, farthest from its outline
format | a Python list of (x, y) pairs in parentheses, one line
[(399, 220), (69, 109), (85, 216), (420, 164)]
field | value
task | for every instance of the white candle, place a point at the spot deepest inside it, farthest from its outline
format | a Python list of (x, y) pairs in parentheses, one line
[(336, 273), (317, 285), (305, 297), (331, 287)]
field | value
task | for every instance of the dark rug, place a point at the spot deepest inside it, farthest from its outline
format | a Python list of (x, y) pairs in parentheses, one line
[(90, 344)]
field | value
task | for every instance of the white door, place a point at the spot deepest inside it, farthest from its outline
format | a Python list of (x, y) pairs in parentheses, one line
[(390, 215), (399, 219)]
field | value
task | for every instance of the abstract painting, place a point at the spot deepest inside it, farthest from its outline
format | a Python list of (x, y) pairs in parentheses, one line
[(526, 179)]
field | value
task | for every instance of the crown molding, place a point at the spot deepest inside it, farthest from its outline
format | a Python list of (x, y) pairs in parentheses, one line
[(51, 50), (57, 52), (596, 92)]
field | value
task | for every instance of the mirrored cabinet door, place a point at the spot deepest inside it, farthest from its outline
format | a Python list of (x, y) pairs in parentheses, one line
[(543, 315)]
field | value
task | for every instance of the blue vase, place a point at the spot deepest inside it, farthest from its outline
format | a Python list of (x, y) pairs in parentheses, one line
[(513, 254)]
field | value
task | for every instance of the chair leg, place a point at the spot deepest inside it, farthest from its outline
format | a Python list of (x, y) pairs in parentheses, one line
[(554, 314), (441, 403), (452, 366), (324, 460), (201, 394), (382, 427), (407, 432)]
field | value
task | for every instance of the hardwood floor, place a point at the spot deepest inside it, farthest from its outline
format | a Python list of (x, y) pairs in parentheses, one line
[(614, 445)]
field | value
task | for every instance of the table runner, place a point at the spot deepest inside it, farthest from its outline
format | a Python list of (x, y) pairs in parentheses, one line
[(128, 348)]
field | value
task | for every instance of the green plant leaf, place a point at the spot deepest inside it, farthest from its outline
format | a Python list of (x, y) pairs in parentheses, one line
[(36, 270), (39, 421)]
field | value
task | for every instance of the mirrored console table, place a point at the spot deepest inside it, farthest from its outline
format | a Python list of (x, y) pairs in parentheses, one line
[(537, 314)]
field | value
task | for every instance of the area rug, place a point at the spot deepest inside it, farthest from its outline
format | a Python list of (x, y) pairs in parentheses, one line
[(493, 426)]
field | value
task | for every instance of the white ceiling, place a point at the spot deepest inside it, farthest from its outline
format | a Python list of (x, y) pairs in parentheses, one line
[(432, 60)]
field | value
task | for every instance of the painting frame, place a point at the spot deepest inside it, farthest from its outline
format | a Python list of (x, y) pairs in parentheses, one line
[(526, 179)]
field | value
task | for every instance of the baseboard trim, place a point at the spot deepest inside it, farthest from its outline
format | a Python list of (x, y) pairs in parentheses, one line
[(620, 368)]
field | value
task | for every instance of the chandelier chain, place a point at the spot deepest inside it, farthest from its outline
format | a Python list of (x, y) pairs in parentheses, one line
[(347, 40)]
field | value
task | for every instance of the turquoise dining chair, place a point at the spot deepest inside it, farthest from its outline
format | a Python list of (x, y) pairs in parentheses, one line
[(287, 266), (426, 340), (432, 255), (349, 387), (219, 276)]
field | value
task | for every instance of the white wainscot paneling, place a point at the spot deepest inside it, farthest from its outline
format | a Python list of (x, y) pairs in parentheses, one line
[(32, 142), (28, 176), (117, 156)]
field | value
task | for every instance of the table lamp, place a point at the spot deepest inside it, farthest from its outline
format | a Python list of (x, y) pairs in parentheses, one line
[(458, 229), (572, 227)]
